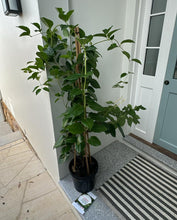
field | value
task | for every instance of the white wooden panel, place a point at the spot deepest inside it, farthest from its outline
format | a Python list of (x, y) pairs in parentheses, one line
[(148, 89), (145, 97)]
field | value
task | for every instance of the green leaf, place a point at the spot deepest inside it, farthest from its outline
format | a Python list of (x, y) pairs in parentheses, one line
[(76, 128), (127, 41), (99, 127), (94, 83), (25, 29), (121, 130), (110, 103), (46, 89), (129, 121), (112, 32), (73, 77), (118, 85), (88, 123), (63, 16), (121, 121), (97, 117), (94, 141), (42, 55), (68, 15), (35, 88), (126, 54), (96, 72), (85, 40), (110, 129), (47, 22), (81, 33), (74, 92), (79, 148), (80, 58), (37, 25), (112, 46), (67, 88), (94, 105), (66, 32), (99, 35), (75, 110), (106, 31), (59, 142), (123, 75), (137, 61), (38, 91), (34, 76), (63, 158)]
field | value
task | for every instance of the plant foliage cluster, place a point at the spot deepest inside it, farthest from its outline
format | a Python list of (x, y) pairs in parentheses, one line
[(71, 60)]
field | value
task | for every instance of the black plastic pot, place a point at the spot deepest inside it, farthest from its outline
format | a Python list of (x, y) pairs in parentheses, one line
[(84, 183)]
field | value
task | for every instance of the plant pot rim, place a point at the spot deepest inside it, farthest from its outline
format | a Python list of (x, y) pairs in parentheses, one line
[(85, 176)]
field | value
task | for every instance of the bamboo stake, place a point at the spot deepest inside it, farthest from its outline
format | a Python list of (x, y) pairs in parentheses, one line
[(78, 83), (78, 51), (74, 168), (86, 154), (88, 147)]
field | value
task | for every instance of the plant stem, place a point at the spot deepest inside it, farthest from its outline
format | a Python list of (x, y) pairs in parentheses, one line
[(100, 42)]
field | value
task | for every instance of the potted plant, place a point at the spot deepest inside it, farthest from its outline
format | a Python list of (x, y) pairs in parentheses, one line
[(71, 60)]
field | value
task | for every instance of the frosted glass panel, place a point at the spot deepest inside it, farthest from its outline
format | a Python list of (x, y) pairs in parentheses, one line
[(4, 5), (150, 62), (158, 6), (155, 31), (175, 72), (13, 4)]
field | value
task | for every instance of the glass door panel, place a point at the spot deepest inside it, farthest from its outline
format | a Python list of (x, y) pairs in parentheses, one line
[(158, 6), (155, 31), (175, 72)]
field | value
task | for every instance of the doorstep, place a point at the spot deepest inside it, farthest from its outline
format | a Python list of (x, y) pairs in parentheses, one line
[(152, 154)]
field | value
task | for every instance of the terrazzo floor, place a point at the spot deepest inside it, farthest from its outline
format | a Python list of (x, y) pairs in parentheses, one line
[(26, 189), (110, 160)]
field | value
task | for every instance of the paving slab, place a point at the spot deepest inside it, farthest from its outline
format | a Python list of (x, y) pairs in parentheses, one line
[(26, 189)]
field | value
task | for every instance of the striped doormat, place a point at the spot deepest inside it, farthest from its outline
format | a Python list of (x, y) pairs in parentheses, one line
[(141, 190)]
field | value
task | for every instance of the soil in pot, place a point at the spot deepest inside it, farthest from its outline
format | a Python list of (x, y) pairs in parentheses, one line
[(82, 181)]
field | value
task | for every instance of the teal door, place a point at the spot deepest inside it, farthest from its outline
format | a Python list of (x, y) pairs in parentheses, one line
[(166, 127)]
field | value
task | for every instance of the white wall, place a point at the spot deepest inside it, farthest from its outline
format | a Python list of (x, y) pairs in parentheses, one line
[(33, 113)]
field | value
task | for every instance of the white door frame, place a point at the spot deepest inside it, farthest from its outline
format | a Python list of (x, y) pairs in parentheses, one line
[(147, 90)]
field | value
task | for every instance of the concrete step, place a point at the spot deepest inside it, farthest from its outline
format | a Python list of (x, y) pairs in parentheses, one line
[(10, 137), (4, 129)]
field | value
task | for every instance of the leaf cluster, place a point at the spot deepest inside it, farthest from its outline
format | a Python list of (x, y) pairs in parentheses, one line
[(77, 77)]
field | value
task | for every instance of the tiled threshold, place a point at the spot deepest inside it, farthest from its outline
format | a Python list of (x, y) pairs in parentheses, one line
[(110, 160)]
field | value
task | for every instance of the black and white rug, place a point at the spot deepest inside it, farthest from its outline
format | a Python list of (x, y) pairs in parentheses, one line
[(142, 190)]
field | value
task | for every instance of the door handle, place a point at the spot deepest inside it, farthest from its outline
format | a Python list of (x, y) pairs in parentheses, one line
[(166, 82)]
